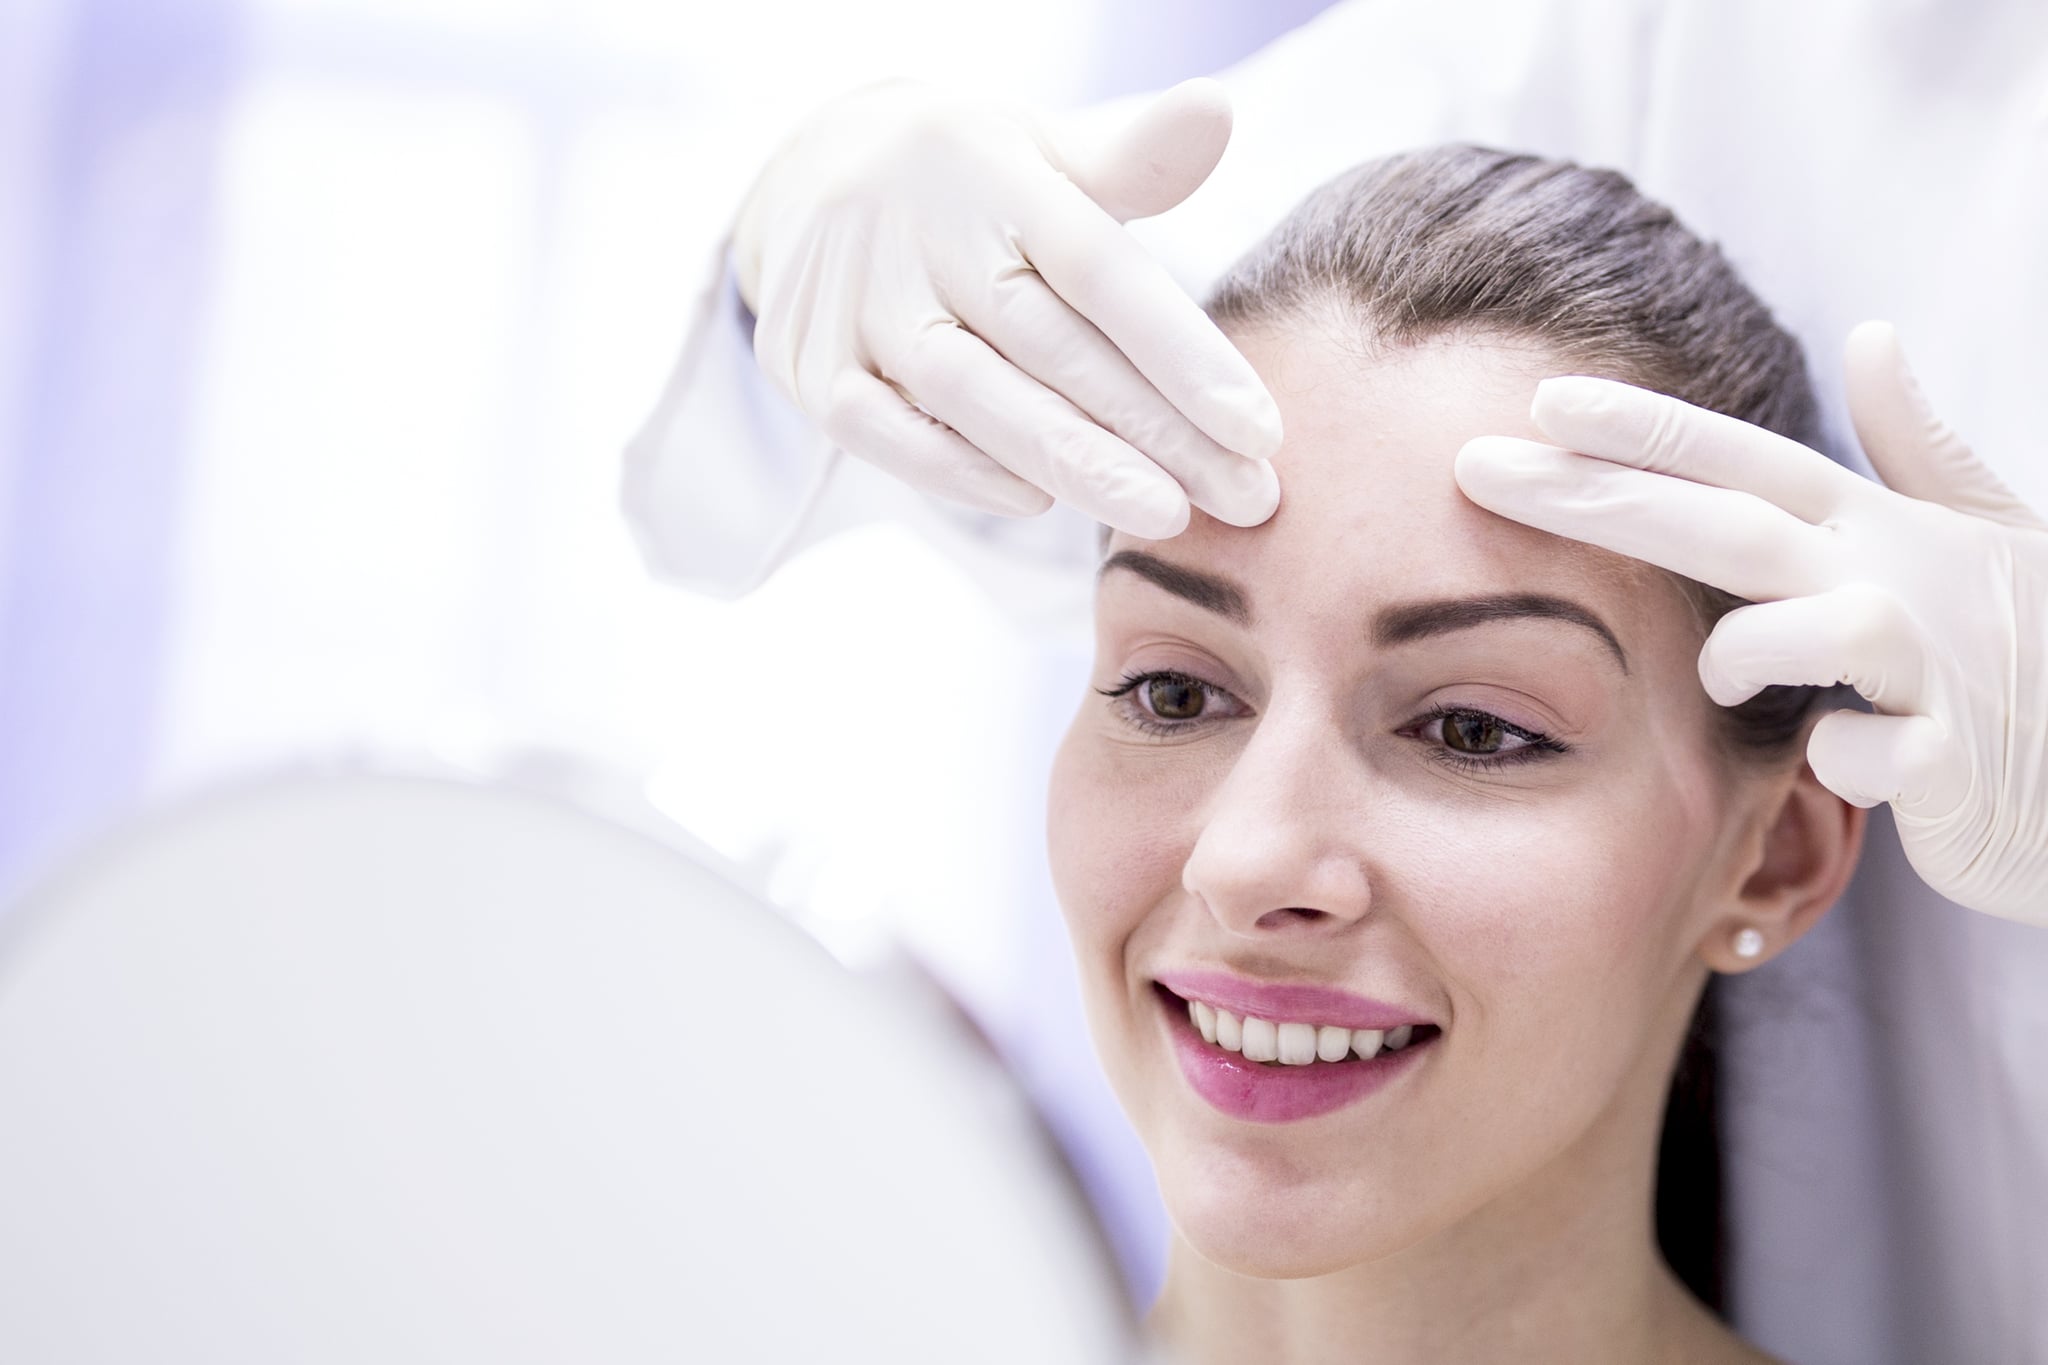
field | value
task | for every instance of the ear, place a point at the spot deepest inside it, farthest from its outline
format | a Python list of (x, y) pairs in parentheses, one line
[(1795, 864)]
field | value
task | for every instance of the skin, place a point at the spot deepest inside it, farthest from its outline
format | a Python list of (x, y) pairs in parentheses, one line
[(1556, 917)]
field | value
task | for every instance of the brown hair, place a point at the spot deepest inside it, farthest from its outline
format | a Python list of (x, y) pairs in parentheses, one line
[(1462, 240)]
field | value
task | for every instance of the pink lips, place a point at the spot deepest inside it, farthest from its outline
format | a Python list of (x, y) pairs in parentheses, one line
[(1280, 1003), (1258, 1093), (1262, 1093)]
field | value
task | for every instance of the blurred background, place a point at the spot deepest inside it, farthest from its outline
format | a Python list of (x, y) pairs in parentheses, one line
[(322, 326)]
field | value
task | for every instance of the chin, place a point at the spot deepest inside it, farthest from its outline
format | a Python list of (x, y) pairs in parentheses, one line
[(1244, 1250), (1271, 1234)]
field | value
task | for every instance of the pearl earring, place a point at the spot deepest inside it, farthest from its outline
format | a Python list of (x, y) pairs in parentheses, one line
[(1749, 943)]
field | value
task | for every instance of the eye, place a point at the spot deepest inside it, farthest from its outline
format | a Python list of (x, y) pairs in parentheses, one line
[(1479, 739), (1164, 702), (1474, 732)]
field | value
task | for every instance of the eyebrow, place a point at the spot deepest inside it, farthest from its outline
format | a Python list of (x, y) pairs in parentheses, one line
[(1397, 625)]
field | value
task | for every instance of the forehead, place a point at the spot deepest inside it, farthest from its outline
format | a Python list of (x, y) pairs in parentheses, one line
[(1370, 512)]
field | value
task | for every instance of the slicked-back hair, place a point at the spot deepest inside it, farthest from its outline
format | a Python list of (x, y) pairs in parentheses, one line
[(1459, 238)]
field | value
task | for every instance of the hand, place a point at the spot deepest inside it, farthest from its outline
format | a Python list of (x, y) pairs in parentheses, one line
[(911, 249), (1929, 596)]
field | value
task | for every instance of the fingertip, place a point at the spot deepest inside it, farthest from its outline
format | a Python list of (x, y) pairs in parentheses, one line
[(1158, 157), (1835, 779), (1471, 465), (1029, 501), (1496, 450), (1874, 332), (1254, 499), (1486, 464), (1848, 758), (1138, 498), (1202, 95), (1246, 420), (1571, 394), (1848, 790), (1873, 349), (1161, 520), (1269, 432), (1268, 491), (1599, 416), (1721, 686)]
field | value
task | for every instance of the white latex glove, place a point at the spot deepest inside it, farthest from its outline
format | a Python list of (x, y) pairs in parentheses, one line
[(1930, 597), (912, 248)]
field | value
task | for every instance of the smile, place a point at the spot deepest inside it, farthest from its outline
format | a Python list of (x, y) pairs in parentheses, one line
[(1292, 1044), (1275, 1071)]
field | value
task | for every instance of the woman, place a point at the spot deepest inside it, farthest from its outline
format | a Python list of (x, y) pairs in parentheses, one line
[(1398, 842)]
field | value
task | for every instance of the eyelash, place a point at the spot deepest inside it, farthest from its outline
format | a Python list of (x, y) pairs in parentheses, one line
[(1537, 745)]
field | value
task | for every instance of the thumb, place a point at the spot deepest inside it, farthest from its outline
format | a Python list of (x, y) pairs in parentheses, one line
[(1138, 158), (1911, 449), (1867, 758)]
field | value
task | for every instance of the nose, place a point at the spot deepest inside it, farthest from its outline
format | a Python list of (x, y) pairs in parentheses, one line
[(1282, 841)]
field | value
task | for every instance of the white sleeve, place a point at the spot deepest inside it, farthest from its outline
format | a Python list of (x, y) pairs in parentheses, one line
[(727, 480), (723, 475)]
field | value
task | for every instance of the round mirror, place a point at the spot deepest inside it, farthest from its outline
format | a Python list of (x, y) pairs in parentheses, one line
[(397, 1069)]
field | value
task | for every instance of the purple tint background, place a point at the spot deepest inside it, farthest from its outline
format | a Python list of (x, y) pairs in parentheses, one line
[(112, 202), (114, 117)]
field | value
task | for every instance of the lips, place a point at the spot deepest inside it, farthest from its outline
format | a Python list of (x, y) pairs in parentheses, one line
[(1280, 1001), (1256, 1092)]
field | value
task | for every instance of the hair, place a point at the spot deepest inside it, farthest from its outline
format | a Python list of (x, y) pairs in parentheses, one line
[(1463, 241)]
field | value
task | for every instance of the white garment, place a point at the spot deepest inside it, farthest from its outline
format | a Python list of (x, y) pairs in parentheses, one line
[(1887, 1079)]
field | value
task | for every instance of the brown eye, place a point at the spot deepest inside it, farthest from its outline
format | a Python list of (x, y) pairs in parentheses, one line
[(1472, 739), (1167, 702), (1472, 733), (1174, 698)]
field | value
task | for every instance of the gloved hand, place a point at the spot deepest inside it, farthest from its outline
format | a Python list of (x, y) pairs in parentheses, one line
[(910, 248), (1930, 597)]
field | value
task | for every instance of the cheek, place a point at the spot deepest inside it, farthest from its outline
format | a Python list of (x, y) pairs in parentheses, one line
[(1086, 844), (1565, 914), (1111, 876), (1114, 845)]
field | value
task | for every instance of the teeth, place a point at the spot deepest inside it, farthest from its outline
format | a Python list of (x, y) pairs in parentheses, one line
[(1290, 1044), (1229, 1031), (1297, 1044), (1261, 1040)]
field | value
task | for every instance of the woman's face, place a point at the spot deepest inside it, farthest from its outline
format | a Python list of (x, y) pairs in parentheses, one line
[(1392, 744)]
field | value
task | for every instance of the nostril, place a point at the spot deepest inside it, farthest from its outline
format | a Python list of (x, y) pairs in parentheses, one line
[(1275, 918)]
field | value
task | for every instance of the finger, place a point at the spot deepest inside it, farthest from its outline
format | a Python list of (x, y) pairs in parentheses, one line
[(1038, 435), (1855, 634), (1719, 536), (1866, 759), (1032, 328), (1136, 165), (1653, 431), (1107, 278), (869, 419), (1912, 450)]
